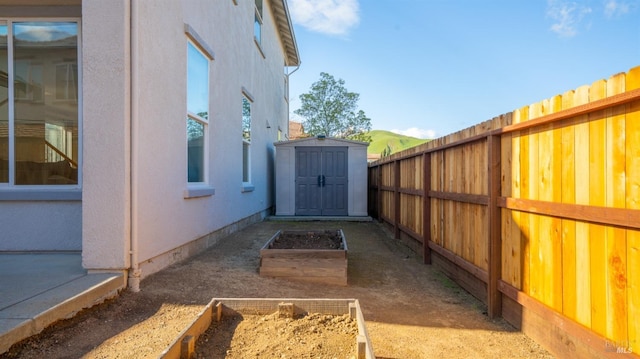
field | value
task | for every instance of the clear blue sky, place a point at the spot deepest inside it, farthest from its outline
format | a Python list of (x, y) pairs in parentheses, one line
[(428, 68)]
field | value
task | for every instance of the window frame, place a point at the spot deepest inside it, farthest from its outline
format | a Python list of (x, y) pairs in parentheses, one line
[(258, 21), (10, 191), (247, 185), (201, 188)]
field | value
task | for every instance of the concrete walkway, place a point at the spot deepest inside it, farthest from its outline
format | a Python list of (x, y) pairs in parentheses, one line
[(38, 289)]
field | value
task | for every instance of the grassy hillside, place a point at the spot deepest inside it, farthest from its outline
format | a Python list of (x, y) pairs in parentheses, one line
[(380, 139)]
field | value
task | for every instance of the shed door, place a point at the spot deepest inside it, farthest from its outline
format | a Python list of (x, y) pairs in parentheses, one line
[(321, 181)]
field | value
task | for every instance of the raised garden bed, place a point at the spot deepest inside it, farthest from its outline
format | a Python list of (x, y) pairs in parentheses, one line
[(318, 256), (312, 326)]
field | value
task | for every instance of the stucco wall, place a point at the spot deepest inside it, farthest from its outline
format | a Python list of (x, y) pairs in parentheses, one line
[(40, 226), (106, 123), (162, 219)]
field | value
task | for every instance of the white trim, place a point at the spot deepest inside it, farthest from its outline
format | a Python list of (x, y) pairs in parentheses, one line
[(199, 42), (248, 144), (40, 195), (196, 117), (247, 94), (259, 47), (199, 191), (80, 102), (246, 185), (11, 117), (258, 15), (38, 192)]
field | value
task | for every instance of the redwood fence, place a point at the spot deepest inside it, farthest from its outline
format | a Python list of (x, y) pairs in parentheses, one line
[(536, 213)]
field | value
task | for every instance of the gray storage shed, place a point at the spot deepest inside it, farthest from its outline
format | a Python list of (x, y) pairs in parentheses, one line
[(319, 176)]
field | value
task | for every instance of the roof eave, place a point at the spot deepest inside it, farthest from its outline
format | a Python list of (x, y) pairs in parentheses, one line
[(285, 29)]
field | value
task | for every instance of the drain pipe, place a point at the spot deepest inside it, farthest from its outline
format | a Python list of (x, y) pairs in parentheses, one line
[(288, 96), (134, 270)]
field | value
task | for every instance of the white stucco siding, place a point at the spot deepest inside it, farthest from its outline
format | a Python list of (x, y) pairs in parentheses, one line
[(164, 219), (105, 112), (135, 145), (41, 226)]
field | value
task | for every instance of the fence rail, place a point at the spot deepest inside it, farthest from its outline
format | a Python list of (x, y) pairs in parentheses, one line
[(536, 212)]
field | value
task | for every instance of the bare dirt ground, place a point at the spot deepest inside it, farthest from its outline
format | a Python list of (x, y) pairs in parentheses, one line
[(411, 310), (270, 336)]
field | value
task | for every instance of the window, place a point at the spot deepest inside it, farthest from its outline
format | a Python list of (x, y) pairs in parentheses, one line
[(39, 93), (246, 140), (257, 23), (197, 113), (4, 105)]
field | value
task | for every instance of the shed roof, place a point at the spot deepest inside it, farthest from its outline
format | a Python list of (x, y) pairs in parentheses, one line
[(322, 141), (285, 28)]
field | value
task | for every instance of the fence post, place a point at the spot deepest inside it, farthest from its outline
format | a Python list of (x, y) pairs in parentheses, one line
[(396, 204), (426, 208), (379, 196), (494, 298)]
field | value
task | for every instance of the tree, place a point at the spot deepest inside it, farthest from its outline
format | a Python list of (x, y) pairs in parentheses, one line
[(387, 151), (330, 110)]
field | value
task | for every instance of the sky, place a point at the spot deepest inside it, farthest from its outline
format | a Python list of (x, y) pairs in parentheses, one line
[(428, 68)]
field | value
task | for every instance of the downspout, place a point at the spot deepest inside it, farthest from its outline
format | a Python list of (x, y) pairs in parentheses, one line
[(134, 270), (289, 97)]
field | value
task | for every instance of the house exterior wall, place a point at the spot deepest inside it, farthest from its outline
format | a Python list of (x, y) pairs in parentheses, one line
[(135, 174), (106, 133), (31, 218), (40, 225), (285, 174)]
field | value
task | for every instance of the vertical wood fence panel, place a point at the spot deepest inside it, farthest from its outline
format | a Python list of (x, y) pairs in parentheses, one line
[(632, 190), (535, 212), (568, 195), (583, 248)]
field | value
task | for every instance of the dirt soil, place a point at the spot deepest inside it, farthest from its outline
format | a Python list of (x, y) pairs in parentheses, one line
[(327, 239), (411, 310), (270, 336)]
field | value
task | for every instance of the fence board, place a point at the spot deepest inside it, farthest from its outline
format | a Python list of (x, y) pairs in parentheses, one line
[(436, 205), (616, 296), (583, 242), (449, 216), (553, 243), (457, 186), (536, 277), (597, 189), (479, 214), (524, 193), (568, 195), (632, 191), (465, 219), (512, 266)]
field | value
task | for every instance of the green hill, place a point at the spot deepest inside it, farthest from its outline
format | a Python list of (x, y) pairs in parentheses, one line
[(381, 139)]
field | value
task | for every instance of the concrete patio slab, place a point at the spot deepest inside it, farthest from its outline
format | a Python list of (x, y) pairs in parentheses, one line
[(38, 289)]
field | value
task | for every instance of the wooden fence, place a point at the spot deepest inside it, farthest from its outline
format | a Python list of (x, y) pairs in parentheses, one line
[(536, 213)]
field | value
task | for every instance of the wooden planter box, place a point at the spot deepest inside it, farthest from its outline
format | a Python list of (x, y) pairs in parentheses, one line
[(327, 266), (185, 343)]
